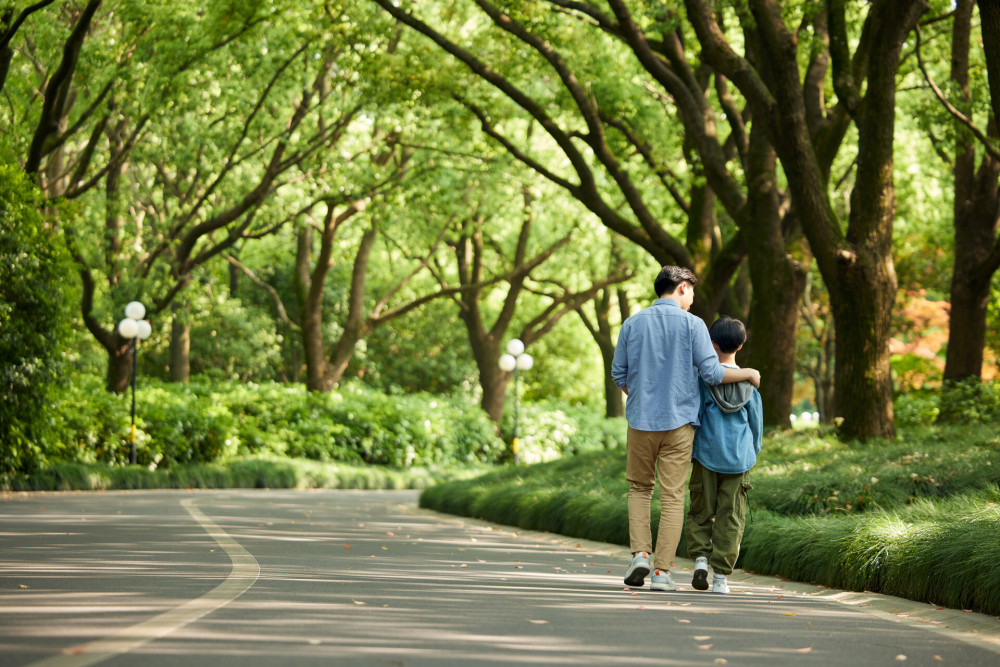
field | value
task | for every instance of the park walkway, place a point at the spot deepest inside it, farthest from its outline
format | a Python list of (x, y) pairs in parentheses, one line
[(257, 577)]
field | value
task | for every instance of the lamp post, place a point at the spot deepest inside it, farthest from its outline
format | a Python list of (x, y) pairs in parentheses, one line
[(515, 360), (134, 328)]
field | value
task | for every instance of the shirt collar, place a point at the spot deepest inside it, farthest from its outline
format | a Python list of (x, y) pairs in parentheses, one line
[(666, 301)]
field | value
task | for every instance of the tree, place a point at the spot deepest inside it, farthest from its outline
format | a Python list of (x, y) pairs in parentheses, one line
[(488, 250), (613, 142), (856, 263), (976, 208)]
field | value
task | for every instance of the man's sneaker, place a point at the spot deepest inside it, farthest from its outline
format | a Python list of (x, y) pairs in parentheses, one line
[(700, 579), (719, 584), (636, 573), (661, 581)]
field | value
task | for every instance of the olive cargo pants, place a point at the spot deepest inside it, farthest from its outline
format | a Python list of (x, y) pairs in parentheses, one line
[(717, 516)]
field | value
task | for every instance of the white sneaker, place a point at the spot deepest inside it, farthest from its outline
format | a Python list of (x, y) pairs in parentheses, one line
[(700, 578), (661, 581), (637, 570), (719, 584)]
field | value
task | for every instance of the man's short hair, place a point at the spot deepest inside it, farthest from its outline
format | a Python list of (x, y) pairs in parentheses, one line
[(670, 277), (728, 333)]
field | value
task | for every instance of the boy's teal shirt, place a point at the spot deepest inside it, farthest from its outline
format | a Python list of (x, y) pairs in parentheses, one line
[(729, 442)]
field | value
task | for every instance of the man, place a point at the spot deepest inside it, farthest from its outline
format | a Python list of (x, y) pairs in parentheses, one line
[(660, 351)]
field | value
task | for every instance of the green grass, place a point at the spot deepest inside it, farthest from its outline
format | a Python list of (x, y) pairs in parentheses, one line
[(241, 473), (918, 517)]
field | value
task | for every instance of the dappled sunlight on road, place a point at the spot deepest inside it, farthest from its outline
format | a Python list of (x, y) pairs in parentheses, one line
[(367, 578)]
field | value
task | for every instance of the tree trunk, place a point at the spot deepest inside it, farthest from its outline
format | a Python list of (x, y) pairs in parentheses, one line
[(494, 383), (312, 347), (119, 374), (180, 348), (989, 12), (778, 284), (976, 217), (614, 406)]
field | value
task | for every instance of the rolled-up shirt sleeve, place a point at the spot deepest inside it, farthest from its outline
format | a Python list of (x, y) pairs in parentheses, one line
[(705, 357)]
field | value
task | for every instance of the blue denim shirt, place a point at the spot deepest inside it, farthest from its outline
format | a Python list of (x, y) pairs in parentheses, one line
[(659, 353), (728, 442)]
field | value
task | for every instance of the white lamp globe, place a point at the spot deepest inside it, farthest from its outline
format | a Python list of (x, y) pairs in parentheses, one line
[(144, 330), (525, 362), (135, 310), (507, 362), (128, 328), (515, 347)]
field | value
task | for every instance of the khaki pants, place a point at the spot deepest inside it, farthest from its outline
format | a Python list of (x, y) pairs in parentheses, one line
[(717, 516), (663, 455)]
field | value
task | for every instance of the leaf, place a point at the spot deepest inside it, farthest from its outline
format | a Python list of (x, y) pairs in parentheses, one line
[(720, 661), (683, 620), (537, 622), (790, 614), (900, 658), (807, 649), (701, 638), (359, 603), (347, 546), (705, 647)]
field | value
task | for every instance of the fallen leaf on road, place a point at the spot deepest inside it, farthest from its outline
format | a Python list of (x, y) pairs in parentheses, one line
[(683, 620), (720, 661), (807, 649), (537, 622), (938, 658), (463, 565), (390, 533), (385, 548), (705, 647), (359, 603), (372, 556), (701, 638), (22, 586), (789, 614), (347, 546), (900, 658), (518, 567)]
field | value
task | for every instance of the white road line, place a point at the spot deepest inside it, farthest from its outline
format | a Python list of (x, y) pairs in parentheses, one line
[(243, 575)]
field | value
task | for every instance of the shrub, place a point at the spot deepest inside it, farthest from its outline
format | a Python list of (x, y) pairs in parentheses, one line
[(204, 423), (33, 268), (549, 430)]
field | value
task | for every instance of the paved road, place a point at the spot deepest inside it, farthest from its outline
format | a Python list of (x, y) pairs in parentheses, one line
[(247, 578)]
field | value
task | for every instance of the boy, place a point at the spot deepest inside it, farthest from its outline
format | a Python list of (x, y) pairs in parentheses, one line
[(726, 446), (659, 351)]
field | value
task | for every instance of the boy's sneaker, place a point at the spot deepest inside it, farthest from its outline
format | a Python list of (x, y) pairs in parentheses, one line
[(700, 578), (719, 584), (661, 581), (636, 573)]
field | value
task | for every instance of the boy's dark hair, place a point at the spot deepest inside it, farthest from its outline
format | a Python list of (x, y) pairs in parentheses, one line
[(670, 277), (728, 334)]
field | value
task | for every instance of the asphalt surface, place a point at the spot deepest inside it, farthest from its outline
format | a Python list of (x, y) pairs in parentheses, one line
[(246, 578)]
